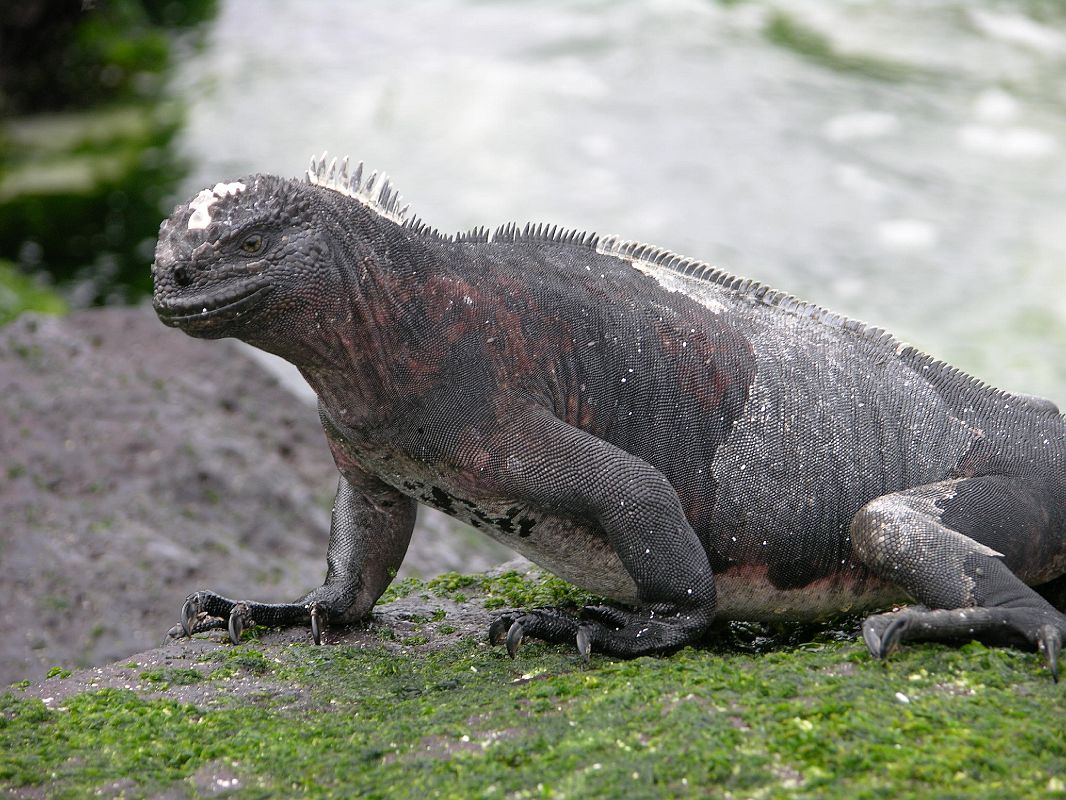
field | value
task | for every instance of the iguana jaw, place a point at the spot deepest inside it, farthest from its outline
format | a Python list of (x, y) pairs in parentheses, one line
[(205, 313)]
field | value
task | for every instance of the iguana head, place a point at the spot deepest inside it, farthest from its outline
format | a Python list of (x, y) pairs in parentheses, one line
[(238, 254)]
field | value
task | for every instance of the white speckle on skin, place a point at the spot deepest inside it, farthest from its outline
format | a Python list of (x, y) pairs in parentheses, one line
[(201, 204)]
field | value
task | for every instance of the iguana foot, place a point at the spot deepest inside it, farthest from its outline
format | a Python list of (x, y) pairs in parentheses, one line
[(205, 610), (661, 628), (1035, 628), (952, 546)]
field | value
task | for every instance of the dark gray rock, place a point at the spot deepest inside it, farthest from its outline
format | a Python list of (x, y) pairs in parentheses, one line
[(138, 464)]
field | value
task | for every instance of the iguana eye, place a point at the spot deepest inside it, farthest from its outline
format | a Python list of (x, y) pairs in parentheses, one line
[(252, 244)]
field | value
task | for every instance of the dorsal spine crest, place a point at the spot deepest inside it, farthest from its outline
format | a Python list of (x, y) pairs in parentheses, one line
[(378, 194)]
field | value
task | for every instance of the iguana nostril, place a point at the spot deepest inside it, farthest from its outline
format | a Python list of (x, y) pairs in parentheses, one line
[(181, 275)]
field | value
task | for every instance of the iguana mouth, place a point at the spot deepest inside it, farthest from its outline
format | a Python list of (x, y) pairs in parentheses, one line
[(217, 307)]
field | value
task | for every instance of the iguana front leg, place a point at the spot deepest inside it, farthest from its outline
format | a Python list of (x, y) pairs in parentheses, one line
[(545, 462), (370, 529)]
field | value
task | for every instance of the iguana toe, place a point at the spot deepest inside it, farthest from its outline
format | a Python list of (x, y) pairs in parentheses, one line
[(549, 624), (498, 630), (198, 614), (514, 638), (614, 631), (882, 633), (584, 642), (872, 639), (177, 631), (1049, 642), (612, 617), (1042, 629), (238, 619), (190, 611), (317, 622)]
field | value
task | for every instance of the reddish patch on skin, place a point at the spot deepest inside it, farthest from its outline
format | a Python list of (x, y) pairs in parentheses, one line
[(707, 364)]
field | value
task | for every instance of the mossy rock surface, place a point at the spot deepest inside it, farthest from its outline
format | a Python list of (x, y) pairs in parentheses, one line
[(417, 704)]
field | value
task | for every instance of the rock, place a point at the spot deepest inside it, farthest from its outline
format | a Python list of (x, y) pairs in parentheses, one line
[(139, 465), (179, 669)]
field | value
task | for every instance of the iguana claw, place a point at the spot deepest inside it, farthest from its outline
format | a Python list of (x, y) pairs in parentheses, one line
[(584, 643), (189, 612), (882, 639), (498, 630), (237, 620), (1049, 642), (873, 641), (514, 638), (176, 632), (317, 621)]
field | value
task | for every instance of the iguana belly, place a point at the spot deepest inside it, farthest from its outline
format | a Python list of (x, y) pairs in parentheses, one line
[(747, 593), (581, 555), (574, 551)]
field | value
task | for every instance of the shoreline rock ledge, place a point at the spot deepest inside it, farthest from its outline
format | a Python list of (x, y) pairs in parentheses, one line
[(139, 465)]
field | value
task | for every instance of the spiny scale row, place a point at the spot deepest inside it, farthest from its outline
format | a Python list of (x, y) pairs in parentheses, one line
[(378, 193), (375, 191), (660, 256), (544, 232)]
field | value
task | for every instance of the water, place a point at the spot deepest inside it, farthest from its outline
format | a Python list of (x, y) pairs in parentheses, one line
[(902, 162)]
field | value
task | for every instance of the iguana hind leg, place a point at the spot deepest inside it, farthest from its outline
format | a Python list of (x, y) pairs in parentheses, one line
[(959, 547), (541, 460)]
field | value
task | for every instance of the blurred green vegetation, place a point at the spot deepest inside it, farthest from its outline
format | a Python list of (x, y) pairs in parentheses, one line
[(791, 34), (85, 146), (20, 293)]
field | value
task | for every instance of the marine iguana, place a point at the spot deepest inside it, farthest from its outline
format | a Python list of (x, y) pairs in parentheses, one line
[(692, 445)]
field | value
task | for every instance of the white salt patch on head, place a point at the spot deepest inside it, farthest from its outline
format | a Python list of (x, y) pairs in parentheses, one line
[(200, 215), (201, 204), (226, 189)]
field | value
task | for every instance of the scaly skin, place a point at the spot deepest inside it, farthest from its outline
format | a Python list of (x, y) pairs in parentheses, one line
[(691, 445)]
